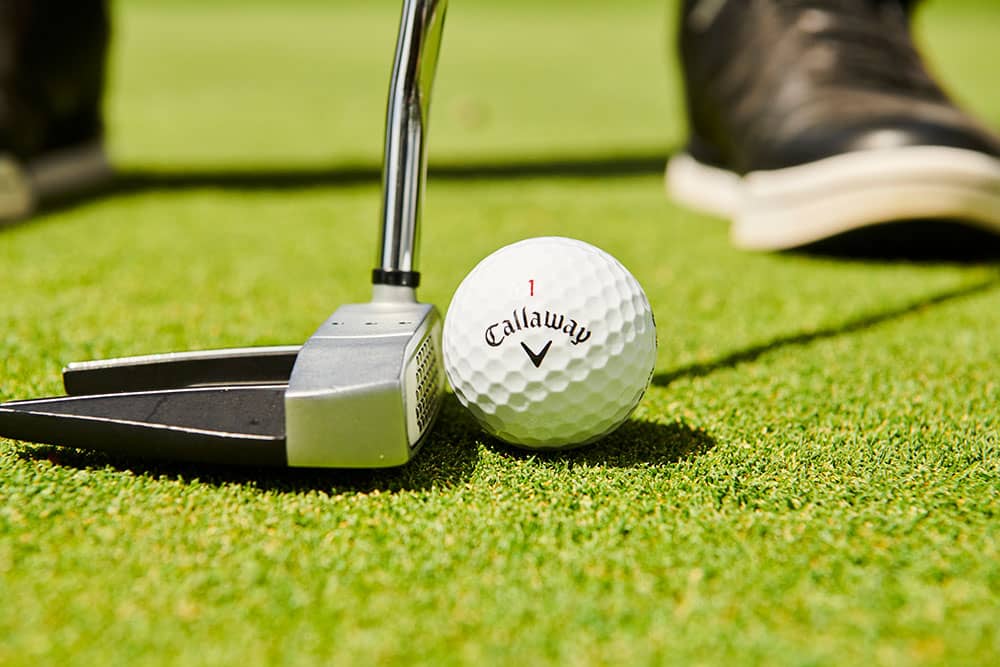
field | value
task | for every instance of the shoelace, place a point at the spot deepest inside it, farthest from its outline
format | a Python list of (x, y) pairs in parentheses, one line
[(859, 42), (819, 58)]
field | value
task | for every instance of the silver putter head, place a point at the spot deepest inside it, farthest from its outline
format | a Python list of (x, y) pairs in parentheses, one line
[(367, 385)]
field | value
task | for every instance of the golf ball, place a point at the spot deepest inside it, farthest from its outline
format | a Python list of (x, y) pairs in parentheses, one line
[(550, 343)]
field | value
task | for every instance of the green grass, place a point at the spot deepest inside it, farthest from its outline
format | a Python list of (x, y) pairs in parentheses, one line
[(812, 479)]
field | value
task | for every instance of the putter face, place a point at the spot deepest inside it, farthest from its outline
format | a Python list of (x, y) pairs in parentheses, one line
[(366, 387)]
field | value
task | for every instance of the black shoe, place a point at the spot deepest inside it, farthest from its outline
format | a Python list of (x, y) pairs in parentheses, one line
[(812, 118), (52, 69)]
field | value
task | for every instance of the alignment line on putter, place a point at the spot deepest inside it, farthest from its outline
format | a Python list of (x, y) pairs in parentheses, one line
[(362, 392)]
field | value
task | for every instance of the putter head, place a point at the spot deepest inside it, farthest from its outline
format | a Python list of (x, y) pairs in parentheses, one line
[(363, 392), (367, 386)]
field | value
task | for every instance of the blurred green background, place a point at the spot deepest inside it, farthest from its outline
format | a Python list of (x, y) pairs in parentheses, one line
[(516, 80)]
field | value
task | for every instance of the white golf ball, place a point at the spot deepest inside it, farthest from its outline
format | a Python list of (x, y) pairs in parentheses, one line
[(550, 343)]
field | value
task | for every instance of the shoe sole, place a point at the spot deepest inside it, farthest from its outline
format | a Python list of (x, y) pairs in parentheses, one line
[(793, 207), (16, 200), (59, 174)]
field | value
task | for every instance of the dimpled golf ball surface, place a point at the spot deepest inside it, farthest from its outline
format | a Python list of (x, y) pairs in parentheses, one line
[(550, 343)]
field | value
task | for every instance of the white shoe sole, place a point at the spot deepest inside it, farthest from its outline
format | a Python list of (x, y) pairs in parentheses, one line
[(58, 174), (16, 200), (788, 208)]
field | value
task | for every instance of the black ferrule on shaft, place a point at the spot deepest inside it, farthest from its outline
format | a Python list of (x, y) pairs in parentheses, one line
[(396, 278)]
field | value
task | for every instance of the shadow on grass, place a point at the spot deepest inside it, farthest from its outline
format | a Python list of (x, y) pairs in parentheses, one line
[(636, 444), (137, 181), (590, 166), (754, 352), (448, 458), (920, 241)]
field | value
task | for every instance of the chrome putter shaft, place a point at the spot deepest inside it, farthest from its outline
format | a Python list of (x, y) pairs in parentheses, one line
[(362, 392), (372, 373)]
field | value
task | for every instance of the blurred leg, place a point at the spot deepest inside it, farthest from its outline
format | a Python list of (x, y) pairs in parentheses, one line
[(52, 76)]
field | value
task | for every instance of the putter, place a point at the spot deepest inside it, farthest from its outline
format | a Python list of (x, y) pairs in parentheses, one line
[(361, 392)]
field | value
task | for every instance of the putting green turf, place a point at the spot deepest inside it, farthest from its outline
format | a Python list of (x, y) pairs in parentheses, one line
[(812, 479)]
